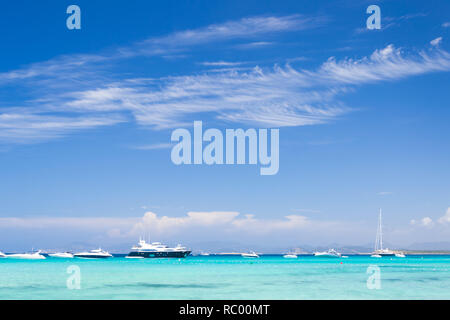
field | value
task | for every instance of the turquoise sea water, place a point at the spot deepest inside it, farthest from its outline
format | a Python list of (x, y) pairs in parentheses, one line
[(213, 277)]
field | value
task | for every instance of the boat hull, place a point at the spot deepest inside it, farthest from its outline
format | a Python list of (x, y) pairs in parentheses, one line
[(87, 256), (326, 255), (26, 256), (62, 256), (157, 254)]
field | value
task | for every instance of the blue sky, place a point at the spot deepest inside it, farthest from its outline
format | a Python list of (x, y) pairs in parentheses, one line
[(86, 117)]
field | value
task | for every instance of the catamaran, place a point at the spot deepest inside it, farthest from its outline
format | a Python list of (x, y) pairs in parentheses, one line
[(379, 251)]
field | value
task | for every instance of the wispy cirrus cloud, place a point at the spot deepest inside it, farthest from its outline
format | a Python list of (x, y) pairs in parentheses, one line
[(155, 146), (388, 63), (81, 91), (281, 96), (162, 46), (25, 128), (221, 63)]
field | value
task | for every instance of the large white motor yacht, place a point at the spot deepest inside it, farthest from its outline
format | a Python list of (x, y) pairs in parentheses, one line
[(2, 255), (328, 254), (93, 254), (157, 250)]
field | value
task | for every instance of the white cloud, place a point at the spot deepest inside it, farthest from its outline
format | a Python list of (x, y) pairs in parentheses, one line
[(213, 222), (244, 28), (15, 127), (84, 223), (436, 42), (220, 64), (446, 24), (445, 218), (385, 64), (279, 97), (427, 222), (208, 227), (384, 193), (71, 67), (154, 146), (72, 93), (255, 44)]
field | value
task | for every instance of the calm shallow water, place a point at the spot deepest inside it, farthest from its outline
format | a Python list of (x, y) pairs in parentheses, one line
[(213, 277)]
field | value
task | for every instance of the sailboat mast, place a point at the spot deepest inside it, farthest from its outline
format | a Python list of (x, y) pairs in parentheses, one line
[(381, 232)]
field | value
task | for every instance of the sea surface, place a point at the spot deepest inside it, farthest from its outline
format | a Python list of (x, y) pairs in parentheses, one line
[(219, 277)]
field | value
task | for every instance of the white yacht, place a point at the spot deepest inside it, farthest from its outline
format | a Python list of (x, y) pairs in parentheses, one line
[(32, 256), (93, 254), (379, 242), (376, 256), (250, 255), (400, 255), (2, 255), (67, 255), (328, 254), (290, 256), (157, 250)]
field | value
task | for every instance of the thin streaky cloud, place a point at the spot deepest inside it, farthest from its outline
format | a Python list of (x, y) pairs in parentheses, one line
[(26, 128), (269, 97), (255, 45), (156, 146), (170, 45), (220, 63), (436, 42)]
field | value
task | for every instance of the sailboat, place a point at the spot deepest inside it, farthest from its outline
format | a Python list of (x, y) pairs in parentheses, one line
[(379, 251)]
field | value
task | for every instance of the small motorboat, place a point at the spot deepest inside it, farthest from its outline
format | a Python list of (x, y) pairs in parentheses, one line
[(290, 256), (328, 254), (93, 254), (32, 256), (400, 255), (66, 255), (250, 255), (376, 256)]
